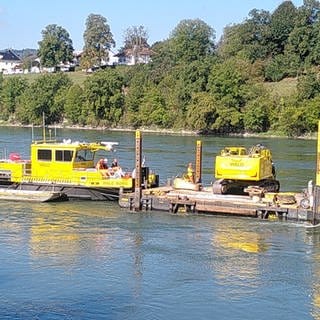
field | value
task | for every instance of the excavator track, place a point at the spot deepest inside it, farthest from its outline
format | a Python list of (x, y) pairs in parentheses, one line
[(223, 186)]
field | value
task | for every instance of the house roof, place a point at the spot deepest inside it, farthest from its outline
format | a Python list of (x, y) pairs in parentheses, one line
[(9, 55), (129, 52)]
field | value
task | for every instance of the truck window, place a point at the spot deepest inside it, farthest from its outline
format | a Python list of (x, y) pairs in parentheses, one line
[(44, 154), (84, 155), (64, 155)]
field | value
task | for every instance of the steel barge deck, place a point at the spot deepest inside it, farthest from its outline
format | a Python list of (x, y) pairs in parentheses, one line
[(205, 202)]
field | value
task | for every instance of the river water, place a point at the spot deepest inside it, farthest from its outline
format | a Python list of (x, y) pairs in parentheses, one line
[(92, 260)]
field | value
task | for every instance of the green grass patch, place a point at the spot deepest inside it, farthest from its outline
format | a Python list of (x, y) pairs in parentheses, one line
[(77, 77), (284, 88)]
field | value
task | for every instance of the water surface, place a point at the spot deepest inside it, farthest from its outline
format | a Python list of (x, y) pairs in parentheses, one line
[(92, 260)]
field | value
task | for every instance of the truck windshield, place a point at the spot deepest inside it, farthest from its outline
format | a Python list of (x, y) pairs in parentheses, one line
[(84, 155)]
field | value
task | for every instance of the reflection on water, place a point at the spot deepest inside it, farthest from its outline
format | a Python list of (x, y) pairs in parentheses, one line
[(312, 237), (56, 239), (237, 260), (94, 260)]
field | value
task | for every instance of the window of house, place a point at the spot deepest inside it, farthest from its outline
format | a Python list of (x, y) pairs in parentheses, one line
[(64, 155)]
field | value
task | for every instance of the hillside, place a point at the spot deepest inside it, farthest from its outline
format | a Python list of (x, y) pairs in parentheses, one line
[(283, 88)]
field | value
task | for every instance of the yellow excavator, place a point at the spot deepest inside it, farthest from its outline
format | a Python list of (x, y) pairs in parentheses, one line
[(238, 168)]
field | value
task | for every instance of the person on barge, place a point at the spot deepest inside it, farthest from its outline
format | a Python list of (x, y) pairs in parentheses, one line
[(190, 173), (102, 167)]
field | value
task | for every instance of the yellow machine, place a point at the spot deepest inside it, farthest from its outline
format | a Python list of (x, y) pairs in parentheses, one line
[(68, 167), (237, 168)]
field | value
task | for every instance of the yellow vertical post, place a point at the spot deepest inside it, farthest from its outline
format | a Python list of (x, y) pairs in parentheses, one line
[(137, 183), (198, 161)]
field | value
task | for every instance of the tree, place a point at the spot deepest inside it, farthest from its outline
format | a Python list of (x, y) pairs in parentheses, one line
[(103, 97), (135, 91), (227, 82), (249, 39), (74, 105), (40, 98), (162, 60), (12, 90), (135, 40), (98, 40), (308, 86), (192, 40), (304, 38), (231, 44), (202, 112), (282, 22), (255, 117), (136, 36), (55, 47), (153, 110)]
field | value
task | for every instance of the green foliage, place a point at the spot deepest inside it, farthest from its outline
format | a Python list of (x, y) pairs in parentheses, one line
[(162, 61), (275, 70), (138, 82), (103, 97), (311, 109), (13, 88), (308, 86), (201, 113), (192, 40), (98, 39), (248, 40), (227, 119), (55, 47), (153, 110), (296, 125), (74, 105), (39, 98), (173, 91), (281, 24), (227, 82), (256, 115), (189, 83)]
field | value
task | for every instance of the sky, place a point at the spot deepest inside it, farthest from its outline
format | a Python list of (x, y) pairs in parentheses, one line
[(21, 21)]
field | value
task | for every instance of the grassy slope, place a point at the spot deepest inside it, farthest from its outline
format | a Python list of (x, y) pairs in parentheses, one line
[(283, 88), (77, 77)]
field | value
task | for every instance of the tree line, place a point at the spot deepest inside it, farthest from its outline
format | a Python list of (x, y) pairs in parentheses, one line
[(192, 82)]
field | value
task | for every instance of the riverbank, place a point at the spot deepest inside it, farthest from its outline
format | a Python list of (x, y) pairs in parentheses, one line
[(181, 132)]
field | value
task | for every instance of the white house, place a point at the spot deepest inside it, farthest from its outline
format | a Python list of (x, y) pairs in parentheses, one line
[(113, 59), (128, 57), (134, 56), (10, 63)]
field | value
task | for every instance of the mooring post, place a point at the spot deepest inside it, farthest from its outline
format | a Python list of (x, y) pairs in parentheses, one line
[(316, 190), (198, 161), (315, 205), (137, 183)]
